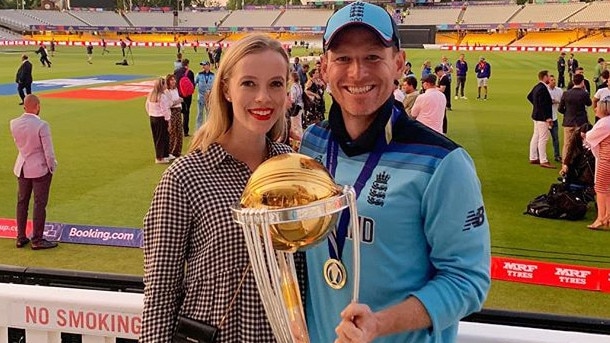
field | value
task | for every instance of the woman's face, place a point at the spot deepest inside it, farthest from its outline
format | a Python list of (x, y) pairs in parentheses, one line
[(171, 83), (257, 92)]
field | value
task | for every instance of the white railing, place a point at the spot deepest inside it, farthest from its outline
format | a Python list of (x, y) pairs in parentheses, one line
[(102, 316), (45, 312)]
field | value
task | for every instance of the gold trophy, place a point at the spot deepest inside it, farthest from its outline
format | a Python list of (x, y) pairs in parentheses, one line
[(291, 203)]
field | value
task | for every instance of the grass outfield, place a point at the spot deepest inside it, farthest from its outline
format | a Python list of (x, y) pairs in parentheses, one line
[(106, 175)]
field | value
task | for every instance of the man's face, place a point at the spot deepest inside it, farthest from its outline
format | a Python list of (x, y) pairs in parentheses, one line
[(552, 82), (206, 68), (579, 71), (360, 71), (462, 57)]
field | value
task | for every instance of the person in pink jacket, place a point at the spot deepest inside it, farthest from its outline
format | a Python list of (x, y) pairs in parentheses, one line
[(34, 169)]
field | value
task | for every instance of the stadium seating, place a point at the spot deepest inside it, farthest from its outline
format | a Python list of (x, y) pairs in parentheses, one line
[(447, 38), (18, 20), (300, 17), (595, 11), (432, 16), (596, 40), (150, 19), (55, 18), (498, 14), (8, 35), (100, 18), (490, 39), (547, 13), (251, 18), (201, 19), (550, 39)]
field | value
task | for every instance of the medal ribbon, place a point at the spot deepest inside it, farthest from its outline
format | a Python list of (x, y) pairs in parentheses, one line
[(336, 240)]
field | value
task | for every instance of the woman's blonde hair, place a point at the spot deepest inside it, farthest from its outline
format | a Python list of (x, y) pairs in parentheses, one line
[(157, 91), (604, 107), (169, 77), (220, 117)]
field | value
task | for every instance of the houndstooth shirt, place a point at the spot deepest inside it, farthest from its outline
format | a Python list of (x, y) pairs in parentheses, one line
[(195, 254)]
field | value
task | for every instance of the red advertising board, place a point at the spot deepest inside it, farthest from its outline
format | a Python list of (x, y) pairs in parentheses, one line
[(550, 274), (8, 228)]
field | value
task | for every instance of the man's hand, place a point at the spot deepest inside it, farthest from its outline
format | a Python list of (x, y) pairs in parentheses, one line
[(358, 325)]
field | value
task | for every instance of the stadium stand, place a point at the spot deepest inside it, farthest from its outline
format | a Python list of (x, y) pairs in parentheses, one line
[(100, 18), (495, 14), (429, 16), (55, 18), (547, 38), (202, 19), (251, 18), (447, 38), (596, 11), (490, 24), (300, 17), (8, 35), (489, 38), (547, 13), (150, 19), (600, 39), (18, 20)]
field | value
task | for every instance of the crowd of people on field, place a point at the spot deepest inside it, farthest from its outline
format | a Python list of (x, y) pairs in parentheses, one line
[(585, 152)]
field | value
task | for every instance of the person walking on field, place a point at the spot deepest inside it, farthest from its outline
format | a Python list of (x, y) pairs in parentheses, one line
[(44, 56), (104, 50), (89, 52), (34, 169), (24, 78)]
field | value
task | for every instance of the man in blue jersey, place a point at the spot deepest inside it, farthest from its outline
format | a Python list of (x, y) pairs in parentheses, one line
[(425, 251)]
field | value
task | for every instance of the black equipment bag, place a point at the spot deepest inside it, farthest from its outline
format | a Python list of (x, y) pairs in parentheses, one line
[(558, 203)]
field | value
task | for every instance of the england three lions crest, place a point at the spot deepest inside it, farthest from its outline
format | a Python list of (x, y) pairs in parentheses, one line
[(378, 190)]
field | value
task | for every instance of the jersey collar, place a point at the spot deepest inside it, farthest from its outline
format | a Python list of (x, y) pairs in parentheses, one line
[(367, 140)]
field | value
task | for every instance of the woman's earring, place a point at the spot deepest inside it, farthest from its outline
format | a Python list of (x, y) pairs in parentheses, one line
[(228, 99)]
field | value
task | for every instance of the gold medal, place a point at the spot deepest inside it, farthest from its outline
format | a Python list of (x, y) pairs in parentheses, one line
[(335, 273)]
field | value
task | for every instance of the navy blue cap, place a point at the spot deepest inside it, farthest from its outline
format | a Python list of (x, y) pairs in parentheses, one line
[(365, 14)]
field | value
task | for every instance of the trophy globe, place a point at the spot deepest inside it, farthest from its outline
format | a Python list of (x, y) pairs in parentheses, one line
[(290, 203)]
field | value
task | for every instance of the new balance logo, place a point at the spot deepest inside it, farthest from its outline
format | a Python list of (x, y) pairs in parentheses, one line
[(474, 219)]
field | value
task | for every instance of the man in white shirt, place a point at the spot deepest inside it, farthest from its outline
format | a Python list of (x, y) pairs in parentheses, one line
[(556, 94), (429, 107), (398, 94), (600, 94)]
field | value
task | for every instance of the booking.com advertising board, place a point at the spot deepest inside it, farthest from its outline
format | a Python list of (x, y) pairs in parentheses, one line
[(80, 234)]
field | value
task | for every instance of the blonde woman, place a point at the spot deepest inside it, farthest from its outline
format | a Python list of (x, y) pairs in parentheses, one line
[(194, 253), (175, 121), (157, 107), (598, 138)]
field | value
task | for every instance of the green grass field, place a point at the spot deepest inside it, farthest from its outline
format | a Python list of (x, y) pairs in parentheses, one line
[(106, 175)]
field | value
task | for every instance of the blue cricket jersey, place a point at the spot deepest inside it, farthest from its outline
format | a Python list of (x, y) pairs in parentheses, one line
[(424, 232)]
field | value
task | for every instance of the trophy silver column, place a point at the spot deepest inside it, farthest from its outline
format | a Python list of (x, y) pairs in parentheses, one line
[(291, 203)]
